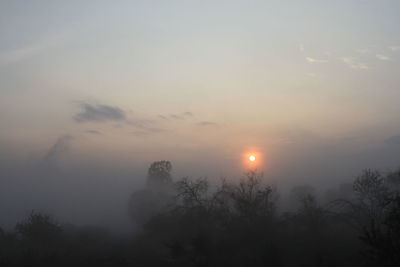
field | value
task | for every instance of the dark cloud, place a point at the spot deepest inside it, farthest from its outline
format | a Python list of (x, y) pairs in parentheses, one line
[(147, 131), (104, 113), (99, 113), (141, 124), (175, 117), (59, 147), (188, 114), (207, 123), (393, 140), (180, 116), (93, 132), (147, 126)]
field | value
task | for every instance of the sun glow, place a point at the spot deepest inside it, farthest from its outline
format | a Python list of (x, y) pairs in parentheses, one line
[(253, 158)]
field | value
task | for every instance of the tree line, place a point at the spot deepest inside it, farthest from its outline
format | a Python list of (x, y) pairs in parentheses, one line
[(191, 223)]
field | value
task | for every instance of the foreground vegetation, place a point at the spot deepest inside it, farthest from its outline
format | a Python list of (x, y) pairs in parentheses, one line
[(188, 223)]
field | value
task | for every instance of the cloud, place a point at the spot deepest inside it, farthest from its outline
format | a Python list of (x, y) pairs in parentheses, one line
[(93, 132), (394, 48), (181, 116), (351, 62), (207, 123), (99, 113), (188, 114), (362, 51), (105, 113), (139, 123), (314, 60), (175, 117), (59, 147), (383, 57), (163, 117), (31, 49), (147, 131), (393, 140), (301, 47), (145, 125)]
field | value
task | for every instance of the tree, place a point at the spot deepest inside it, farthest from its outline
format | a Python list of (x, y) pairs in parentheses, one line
[(39, 227), (393, 180), (159, 175), (371, 198), (374, 211), (146, 203), (251, 198), (41, 241), (299, 193)]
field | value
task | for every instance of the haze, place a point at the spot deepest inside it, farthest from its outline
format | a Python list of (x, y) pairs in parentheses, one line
[(92, 92)]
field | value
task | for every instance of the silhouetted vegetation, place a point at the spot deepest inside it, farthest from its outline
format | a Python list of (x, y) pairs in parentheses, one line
[(193, 223)]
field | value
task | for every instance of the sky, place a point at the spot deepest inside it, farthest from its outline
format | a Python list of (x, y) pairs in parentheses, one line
[(93, 91)]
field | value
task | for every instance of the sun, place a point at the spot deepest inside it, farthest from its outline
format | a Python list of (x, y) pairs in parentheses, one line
[(252, 158)]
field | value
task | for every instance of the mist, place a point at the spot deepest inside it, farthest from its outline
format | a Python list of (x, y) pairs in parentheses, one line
[(82, 190), (199, 133)]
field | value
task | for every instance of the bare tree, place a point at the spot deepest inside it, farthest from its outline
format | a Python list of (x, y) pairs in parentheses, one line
[(251, 198)]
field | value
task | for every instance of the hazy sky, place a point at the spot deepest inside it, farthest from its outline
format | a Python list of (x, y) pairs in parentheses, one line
[(93, 91)]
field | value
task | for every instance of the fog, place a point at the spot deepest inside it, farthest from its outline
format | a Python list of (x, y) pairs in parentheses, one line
[(199, 133), (82, 190)]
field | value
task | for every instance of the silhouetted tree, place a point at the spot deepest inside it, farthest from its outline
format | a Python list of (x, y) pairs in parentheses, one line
[(146, 203), (232, 224), (40, 241), (393, 180), (159, 175), (373, 211), (39, 227), (251, 198), (298, 194)]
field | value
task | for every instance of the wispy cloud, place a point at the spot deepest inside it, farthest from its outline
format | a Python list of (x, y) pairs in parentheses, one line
[(188, 114), (363, 51), (163, 117), (142, 124), (352, 63), (314, 60), (59, 147), (180, 116), (147, 132), (394, 47), (95, 132), (383, 57), (30, 49), (99, 113), (301, 47), (175, 117), (207, 123)]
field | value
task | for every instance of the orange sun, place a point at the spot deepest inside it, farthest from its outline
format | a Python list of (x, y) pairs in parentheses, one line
[(252, 159)]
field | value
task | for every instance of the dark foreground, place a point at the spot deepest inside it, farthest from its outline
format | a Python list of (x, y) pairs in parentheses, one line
[(188, 224)]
